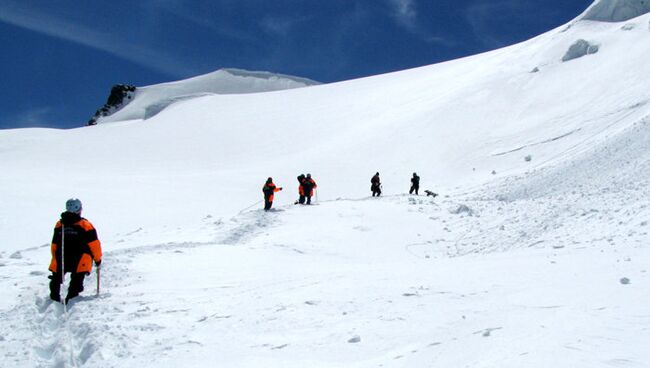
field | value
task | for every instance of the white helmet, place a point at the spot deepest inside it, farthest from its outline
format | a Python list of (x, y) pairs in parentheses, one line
[(73, 205)]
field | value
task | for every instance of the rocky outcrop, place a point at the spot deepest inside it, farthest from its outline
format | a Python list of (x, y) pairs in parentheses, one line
[(579, 49), (121, 95)]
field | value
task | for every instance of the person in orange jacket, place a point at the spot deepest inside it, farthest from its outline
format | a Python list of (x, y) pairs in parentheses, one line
[(77, 239), (269, 189), (308, 185)]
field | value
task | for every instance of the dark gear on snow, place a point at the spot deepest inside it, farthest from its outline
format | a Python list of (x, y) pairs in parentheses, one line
[(301, 190), (81, 249), (76, 286), (375, 185), (269, 189), (308, 185), (415, 184)]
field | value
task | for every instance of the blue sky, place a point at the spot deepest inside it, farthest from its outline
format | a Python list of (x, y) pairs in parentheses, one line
[(59, 58)]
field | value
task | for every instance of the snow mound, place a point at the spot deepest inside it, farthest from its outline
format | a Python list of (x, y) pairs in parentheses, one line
[(617, 10), (579, 49), (148, 101)]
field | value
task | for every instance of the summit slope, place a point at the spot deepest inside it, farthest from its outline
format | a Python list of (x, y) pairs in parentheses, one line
[(460, 124), (148, 101)]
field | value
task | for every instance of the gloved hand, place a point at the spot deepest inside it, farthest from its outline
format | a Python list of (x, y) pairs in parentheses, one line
[(98, 263)]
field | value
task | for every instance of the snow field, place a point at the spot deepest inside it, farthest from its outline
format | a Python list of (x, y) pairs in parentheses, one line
[(535, 254), (335, 284)]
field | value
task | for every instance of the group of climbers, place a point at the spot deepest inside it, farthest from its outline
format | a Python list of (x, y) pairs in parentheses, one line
[(375, 185), (75, 245), (306, 186)]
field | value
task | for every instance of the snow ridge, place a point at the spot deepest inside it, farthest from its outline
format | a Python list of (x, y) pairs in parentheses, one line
[(148, 101), (616, 10)]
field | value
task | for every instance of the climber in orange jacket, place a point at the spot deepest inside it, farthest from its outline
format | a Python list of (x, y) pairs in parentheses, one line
[(77, 238), (269, 189)]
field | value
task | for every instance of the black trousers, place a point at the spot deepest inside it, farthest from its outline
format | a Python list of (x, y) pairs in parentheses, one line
[(376, 190), (414, 188), (267, 204), (75, 287)]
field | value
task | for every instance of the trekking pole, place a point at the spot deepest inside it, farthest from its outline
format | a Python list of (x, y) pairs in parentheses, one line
[(251, 206), (316, 192), (65, 307), (99, 268)]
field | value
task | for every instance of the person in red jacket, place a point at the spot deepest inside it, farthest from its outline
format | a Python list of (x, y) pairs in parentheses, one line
[(76, 238), (269, 189), (308, 185)]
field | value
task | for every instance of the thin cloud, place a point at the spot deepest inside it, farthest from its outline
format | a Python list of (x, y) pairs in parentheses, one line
[(280, 26), (487, 17), (405, 13), (207, 20), (479, 14), (38, 117), (33, 20)]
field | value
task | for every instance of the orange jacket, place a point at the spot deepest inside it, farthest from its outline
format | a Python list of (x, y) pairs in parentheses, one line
[(301, 190), (269, 190), (80, 243), (308, 183)]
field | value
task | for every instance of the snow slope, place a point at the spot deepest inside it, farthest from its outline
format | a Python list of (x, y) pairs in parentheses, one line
[(535, 254), (150, 100)]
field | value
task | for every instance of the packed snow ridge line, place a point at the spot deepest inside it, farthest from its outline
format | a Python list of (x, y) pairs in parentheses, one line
[(127, 102), (616, 10)]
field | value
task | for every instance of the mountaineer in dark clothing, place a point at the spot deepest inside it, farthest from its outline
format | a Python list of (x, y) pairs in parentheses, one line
[(77, 239), (269, 189), (415, 184), (308, 185), (375, 185), (301, 189)]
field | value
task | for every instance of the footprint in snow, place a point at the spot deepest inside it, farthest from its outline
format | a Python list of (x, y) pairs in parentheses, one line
[(488, 331), (354, 340)]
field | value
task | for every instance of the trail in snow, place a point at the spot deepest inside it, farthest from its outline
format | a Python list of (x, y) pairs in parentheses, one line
[(333, 284)]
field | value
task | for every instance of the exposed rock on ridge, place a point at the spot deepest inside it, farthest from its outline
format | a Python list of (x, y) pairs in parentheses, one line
[(121, 94)]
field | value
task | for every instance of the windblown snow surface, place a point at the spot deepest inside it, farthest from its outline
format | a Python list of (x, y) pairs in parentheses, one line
[(534, 255)]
